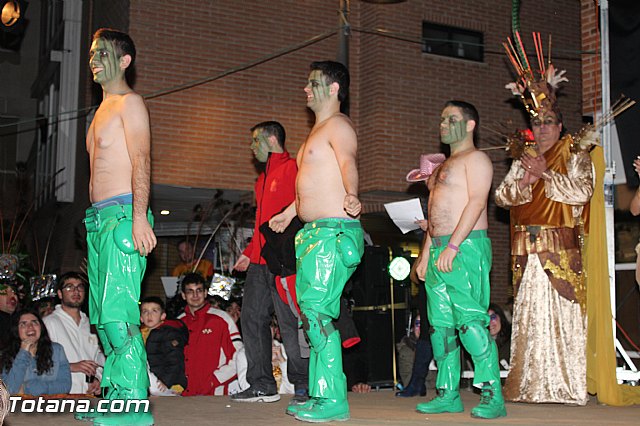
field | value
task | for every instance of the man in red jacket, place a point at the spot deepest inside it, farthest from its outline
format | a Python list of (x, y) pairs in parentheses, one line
[(209, 363), (275, 190)]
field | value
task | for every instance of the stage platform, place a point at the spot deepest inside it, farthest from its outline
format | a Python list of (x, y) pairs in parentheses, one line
[(375, 408)]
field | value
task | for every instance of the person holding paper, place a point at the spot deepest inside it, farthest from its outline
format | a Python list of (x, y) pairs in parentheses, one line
[(455, 265)]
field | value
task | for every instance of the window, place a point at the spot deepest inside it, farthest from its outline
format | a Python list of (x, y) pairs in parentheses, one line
[(453, 42)]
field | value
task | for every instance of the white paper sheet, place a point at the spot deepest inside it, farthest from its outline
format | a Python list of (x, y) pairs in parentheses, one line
[(405, 213), (170, 285)]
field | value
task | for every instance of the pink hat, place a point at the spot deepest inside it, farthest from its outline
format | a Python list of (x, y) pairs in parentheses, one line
[(428, 163)]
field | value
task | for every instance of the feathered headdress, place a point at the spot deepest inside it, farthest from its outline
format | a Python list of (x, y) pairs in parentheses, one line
[(537, 92)]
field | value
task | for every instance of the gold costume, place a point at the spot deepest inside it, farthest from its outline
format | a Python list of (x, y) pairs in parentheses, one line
[(548, 345)]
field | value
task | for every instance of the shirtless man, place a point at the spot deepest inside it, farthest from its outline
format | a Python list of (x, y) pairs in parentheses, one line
[(119, 224), (330, 245), (456, 260)]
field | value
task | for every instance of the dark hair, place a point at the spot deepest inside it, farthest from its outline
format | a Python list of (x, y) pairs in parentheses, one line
[(334, 72), (44, 353), (469, 112), (123, 44), (191, 278), (153, 299), (71, 275), (272, 128), (504, 335)]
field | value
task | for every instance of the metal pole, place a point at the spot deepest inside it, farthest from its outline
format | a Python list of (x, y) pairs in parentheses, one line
[(622, 375), (343, 33), (609, 163)]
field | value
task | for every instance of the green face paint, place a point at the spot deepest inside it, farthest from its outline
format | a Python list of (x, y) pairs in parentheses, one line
[(104, 61), (456, 130), (260, 145), (317, 89)]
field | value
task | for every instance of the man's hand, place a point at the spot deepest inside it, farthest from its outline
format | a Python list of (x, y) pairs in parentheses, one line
[(636, 165), (242, 264), (352, 205), (421, 269), (361, 388), (94, 387), (527, 179), (86, 366), (535, 166), (445, 260), (144, 240), (423, 223), (279, 222)]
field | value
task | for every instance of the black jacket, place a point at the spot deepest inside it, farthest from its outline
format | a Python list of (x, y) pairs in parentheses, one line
[(165, 352)]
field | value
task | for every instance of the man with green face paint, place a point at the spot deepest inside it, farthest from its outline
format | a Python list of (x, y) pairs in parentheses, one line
[(275, 190), (455, 264), (330, 245), (119, 223)]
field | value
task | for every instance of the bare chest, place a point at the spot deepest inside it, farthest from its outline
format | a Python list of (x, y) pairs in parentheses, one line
[(444, 177), (106, 130)]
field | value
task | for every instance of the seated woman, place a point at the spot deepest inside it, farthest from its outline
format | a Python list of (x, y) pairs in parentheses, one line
[(31, 363), (500, 331)]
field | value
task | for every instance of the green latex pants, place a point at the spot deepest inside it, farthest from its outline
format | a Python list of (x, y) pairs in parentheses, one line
[(459, 300), (327, 252), (114, 292)]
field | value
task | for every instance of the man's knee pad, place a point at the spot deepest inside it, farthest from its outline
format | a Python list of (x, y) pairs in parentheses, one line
[(318, 327), (443, 341), (120, 335), (475, 338)]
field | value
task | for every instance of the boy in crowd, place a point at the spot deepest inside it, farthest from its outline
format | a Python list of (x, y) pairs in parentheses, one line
[(165, 341)]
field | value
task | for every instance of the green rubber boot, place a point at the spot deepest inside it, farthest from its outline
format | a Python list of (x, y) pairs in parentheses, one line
[(133, 410), (491, 403), (87, 417), (126, 370), (484, 353), (292, 410), (447, 399), (327, 382), (325, 410)]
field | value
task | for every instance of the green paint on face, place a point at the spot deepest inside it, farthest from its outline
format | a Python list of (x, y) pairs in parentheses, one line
[(317, 88), (104, 62), (457, 130), (260, 145)]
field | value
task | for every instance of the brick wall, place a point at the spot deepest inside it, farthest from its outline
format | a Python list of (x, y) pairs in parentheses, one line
[(201, 135), (591, 83)]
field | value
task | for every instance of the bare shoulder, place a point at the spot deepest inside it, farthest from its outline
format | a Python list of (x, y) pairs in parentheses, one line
[(133, 101), (341, 121), (477, 155), (478, 158), (341, 129)]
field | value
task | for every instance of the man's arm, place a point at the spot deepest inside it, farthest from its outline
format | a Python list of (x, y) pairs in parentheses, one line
[(135, 119), (281, 221), (479, 173), (511, 192), (226, 372), (574, 188), (344, 142), (423, 259)]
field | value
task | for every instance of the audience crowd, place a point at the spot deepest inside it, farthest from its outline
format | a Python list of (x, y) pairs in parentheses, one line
[(193, 348)]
